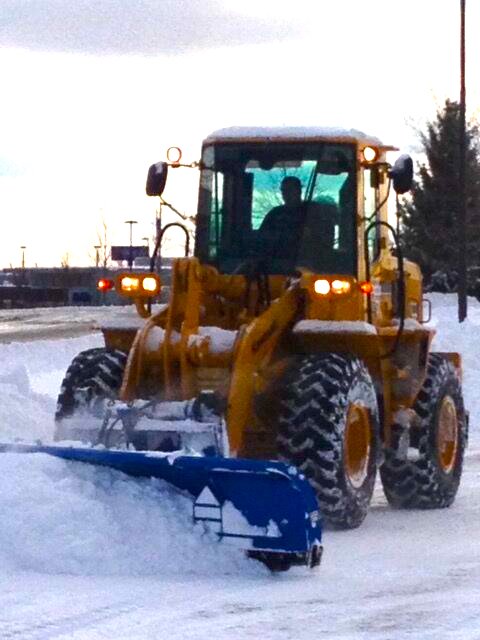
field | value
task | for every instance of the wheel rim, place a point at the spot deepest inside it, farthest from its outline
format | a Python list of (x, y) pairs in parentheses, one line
[(357, 445), (447, 434)]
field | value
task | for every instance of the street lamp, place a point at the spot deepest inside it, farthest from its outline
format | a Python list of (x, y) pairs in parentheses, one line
[(130, 254), (23, 279)]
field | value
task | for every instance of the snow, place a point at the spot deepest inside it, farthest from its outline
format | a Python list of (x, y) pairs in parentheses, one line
[(218, 340), (333, 326), (156, 336), (236, 133), (84, 521), (411, 324), (87, 554), (235, 523), (45, 322)]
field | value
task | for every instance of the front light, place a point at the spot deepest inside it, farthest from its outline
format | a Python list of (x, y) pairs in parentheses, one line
[(138, 285), (370, 154), (366, 287), (340, 286), (149, 284), (128, 283), (105, 284), (322, 287)]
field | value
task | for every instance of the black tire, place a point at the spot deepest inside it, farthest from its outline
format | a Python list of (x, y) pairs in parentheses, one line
[(320, 393), (431, 480), (93, 376)]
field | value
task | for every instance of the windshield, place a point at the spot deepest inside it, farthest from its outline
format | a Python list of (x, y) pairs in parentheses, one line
[(285, 205)]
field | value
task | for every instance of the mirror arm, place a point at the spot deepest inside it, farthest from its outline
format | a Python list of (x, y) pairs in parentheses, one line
[(160, 238)]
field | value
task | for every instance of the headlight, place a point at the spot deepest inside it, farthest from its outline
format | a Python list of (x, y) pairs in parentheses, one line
[(138, 285), (340, 286), (149, 284), (322, 287), (337, 286), (128, 284)]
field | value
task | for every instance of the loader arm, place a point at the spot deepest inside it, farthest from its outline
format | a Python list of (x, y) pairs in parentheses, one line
[(257, 345)]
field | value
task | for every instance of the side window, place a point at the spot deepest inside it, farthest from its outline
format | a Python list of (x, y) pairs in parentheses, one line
[(213, 185), (370, 204), (327, 191)]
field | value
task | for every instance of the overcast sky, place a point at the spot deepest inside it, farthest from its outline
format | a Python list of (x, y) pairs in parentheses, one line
[(140, 27), (93, 92)]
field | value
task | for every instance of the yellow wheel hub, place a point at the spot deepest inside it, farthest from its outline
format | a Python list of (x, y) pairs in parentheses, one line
[(357, 444), (447, 434)]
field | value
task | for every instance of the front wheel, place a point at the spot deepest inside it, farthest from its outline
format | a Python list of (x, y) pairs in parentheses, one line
[(93, 378), (431, 478), (328, 426)]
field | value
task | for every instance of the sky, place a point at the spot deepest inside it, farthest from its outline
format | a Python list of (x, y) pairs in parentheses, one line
[(94, 91)]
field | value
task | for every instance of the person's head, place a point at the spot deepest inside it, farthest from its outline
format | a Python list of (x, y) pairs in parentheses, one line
[(291, 189)]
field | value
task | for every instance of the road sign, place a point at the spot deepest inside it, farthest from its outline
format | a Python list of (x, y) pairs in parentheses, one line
[(129, 253)]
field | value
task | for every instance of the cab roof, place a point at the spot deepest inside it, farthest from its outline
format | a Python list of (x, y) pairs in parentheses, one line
[(292, 134)]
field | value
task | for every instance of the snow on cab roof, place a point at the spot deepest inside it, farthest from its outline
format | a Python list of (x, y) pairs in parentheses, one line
[(294, 133)]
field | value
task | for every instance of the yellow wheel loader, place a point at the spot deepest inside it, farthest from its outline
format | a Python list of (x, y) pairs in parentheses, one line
[(295, 333)]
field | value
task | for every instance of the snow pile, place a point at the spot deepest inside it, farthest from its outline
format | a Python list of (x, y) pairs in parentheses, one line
[(77, 519), (30, 380), (67, 518), (464, 339)]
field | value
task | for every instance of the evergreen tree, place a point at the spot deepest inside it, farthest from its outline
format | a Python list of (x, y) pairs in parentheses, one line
[(430, 217)]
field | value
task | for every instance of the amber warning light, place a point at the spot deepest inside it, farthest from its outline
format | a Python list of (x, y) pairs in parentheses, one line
[(366, 287), (138, 285), (105, 284)]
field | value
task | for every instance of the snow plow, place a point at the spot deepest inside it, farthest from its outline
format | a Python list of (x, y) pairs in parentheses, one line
[(280, 527), (295, 333)]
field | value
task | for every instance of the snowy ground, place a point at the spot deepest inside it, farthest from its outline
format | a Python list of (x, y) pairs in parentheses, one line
[(55, 322), (86, 554)]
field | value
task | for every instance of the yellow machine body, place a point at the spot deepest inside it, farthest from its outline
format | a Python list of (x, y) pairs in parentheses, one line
[(218, 332)]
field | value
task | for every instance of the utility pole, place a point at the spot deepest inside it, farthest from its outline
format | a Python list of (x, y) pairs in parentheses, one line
[(24, 275), (462, 200)]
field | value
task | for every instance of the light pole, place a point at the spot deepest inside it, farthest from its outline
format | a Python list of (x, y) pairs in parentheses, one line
[(130, 254), (23, 247), (97, 248), (462, 200), (23, 278)]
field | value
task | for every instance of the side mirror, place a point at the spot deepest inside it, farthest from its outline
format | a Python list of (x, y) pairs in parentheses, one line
[(402, 174), (156, 179)]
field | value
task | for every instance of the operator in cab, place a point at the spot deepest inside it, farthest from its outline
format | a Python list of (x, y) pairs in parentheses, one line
[(297, 231)]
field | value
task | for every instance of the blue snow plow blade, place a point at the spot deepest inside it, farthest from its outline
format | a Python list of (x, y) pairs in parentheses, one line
[(267, 508)]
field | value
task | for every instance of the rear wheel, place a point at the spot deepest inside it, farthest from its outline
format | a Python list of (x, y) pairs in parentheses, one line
[(429, 479), (93, 377), (328, 425)]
